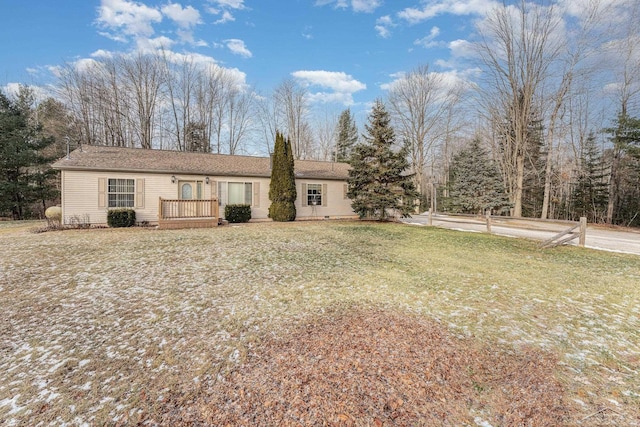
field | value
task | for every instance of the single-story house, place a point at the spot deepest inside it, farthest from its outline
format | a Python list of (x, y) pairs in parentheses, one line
[(176, 189)]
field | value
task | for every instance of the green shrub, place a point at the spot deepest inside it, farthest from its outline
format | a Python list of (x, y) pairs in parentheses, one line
[(121, 218), (237, 213), (282, 211)]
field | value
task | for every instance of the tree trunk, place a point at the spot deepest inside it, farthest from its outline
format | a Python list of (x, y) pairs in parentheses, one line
[(547, 177), (613, 186), (517, 208)]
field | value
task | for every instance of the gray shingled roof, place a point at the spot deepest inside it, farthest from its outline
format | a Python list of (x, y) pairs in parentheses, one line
[(102, 158)]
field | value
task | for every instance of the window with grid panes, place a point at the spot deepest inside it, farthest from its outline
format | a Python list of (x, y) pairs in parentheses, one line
[(121, 193), (314, 194)]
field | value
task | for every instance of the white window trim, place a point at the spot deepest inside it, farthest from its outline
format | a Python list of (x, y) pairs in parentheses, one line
[(324, 194), (118, 203), (223, 192)]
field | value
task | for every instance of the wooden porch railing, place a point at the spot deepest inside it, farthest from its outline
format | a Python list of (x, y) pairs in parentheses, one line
[(169, 209)]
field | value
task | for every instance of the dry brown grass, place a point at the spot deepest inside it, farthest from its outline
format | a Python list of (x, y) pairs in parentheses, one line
[(374, 368), (108, 327)]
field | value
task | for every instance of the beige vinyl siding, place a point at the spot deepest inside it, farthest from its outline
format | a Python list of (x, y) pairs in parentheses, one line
[(334, 203), (260, 194), (85, 193), (82, 194)]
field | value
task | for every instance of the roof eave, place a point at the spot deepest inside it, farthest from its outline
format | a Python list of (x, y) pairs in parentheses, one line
[(185, 172)]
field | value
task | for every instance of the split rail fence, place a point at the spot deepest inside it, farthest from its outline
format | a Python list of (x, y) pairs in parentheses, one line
[(575, 229)]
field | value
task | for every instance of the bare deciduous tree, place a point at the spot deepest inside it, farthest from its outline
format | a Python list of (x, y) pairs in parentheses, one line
[(291, 105), (517, 46), (142, 74), (421, 103)]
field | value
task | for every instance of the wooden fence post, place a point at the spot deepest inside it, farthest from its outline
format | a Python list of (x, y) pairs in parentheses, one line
[(430, 217), (489, 221), (583, 231)]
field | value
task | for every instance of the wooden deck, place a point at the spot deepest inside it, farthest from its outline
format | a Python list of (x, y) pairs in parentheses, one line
[(174, 214)]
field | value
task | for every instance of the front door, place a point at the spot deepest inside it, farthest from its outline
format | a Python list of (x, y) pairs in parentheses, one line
[(186, 190)]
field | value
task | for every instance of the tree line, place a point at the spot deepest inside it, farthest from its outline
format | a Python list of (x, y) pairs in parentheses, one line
[(547, 130)]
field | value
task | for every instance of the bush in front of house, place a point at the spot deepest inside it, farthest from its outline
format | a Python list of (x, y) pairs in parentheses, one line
[(237, 213), (121, 218)]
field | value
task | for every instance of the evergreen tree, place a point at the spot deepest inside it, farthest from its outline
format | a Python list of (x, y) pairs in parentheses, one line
[(534, 171), (624, 181), (282, 189), (475, 184), (346, 136), (24, 170), (589, 196), (378, 181)]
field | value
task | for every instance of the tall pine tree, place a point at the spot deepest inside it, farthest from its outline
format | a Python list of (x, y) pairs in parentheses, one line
[(378, 182), (282, 189), (346, 136), (24, 170), (475, 184), (589, 195), (624, 181)]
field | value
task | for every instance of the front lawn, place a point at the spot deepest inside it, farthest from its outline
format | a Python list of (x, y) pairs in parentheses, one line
[(107, 326)]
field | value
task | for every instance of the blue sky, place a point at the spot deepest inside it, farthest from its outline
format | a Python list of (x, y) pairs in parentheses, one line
[(343, 51)]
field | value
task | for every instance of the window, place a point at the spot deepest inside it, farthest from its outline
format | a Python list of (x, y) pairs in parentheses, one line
[(121, 193), (190, 190), (187, 192), (314, 194), (235, 193)]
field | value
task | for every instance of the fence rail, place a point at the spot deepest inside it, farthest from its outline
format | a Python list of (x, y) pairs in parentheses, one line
[(185, 209), (574, 230)]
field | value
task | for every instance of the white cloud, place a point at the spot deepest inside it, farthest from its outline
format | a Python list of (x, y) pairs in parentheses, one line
[(330, 97), (113, 37), (462, 49), (224, 8), (237, 47), (307, 32), (438, 7), (101, 53), (341, 85), (187, 17), (338, 81), (55, 70), (231, 4), (148, 45), (127, 18), (365, 6), (429, 41), (226, 17), (84, 64), (383, 25), (194, 58), (339, 4), (443, 80), (40, 93), (395, 76)]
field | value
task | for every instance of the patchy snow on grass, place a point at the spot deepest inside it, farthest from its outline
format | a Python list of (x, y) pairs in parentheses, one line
[(93, 321)]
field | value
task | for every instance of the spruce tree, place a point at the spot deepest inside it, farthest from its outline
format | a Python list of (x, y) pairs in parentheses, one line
[(589, 196), (282, 189), (24, 170), (475, 184), (378, 182), (346, 136)]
